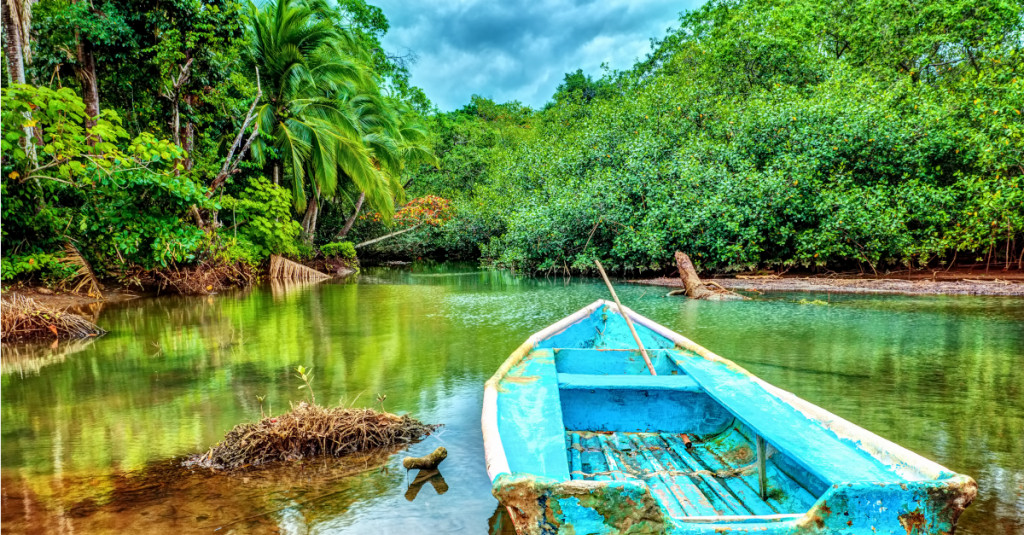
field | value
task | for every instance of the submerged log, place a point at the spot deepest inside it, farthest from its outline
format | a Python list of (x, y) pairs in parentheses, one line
[(427, 462), (695, 289)]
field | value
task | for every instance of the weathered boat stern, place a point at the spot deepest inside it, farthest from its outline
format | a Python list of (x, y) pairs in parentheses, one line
[(924, 508), (544, 506)]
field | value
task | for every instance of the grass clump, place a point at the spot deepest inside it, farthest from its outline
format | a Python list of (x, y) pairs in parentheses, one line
[(310, 430)]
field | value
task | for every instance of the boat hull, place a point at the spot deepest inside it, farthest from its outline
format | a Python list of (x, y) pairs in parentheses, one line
[(579, 439)]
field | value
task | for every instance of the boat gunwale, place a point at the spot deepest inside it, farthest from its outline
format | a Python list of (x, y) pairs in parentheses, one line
[(494, 449)]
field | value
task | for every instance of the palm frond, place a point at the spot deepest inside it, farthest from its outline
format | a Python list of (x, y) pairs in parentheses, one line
[(84, 276)]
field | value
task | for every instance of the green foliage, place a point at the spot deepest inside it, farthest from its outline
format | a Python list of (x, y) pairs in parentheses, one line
[(50, 268), (182, 74), (345, 249), (758, 135), (311, 71), (306, 376), (119, 199), (260, 223), (327, 126), (581, 88)]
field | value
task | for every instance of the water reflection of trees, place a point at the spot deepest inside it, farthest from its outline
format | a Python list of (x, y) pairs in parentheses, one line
[(164, 497), (176, 374), (24, 359)]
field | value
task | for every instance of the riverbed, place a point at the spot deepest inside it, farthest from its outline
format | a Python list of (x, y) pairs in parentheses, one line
[(92, 433)]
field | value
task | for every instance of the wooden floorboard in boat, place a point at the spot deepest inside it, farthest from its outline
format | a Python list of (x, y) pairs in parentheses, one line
[(681, 479)]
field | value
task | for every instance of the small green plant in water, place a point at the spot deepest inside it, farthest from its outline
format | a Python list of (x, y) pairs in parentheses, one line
[(307, 377), (812, 302), (260, 399)]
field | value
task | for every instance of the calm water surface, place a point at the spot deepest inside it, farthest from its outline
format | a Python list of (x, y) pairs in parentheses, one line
[(91, 435)]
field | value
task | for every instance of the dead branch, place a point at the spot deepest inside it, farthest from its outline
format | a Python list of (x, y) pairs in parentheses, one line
[(23, 318), (386, 236), (310, 431), (231, 161)]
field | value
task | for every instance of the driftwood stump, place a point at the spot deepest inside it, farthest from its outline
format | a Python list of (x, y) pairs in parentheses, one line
[(695, 289), (427, 462)]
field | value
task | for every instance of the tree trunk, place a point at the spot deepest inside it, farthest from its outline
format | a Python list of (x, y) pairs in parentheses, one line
[(14, 42), (190, 133), (309, 220), (85, 71), (695, 289), (351, 220), (176, 121), (17, 16)]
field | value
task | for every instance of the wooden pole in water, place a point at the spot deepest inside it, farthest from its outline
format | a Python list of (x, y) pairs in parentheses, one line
[(629, 322), (762, 475)]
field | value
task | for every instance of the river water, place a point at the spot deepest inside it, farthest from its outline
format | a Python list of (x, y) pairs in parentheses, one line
[(92, 434)]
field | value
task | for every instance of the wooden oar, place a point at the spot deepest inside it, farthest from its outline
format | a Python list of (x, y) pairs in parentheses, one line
[(629, 322)]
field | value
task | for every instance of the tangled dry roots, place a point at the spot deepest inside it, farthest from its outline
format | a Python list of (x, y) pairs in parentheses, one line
[(310, 431), (201, 279), (24, 319)]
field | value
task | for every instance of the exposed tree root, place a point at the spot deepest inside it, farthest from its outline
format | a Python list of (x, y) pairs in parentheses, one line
[(283, 269), (83, 272), (201, 279), (23, 319)]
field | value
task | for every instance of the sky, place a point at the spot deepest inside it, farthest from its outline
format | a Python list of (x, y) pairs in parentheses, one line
[(519, 49)]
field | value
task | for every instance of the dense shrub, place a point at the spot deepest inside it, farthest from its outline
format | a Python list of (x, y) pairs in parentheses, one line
[(345, 249)]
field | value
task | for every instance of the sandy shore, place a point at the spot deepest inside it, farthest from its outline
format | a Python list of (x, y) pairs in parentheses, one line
[(917, 286), (62, 300)]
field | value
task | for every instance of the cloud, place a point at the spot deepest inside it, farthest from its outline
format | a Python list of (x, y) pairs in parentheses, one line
[(520, 49)]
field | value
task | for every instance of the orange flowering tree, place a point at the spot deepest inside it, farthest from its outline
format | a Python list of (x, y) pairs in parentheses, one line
[(427, 210)]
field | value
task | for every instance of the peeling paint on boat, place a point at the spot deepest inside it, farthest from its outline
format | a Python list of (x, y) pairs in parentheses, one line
[(580, 439)]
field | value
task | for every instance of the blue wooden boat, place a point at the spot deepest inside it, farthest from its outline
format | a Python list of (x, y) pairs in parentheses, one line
[(581, 438)]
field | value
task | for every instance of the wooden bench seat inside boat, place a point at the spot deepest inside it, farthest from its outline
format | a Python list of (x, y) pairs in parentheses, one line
[(579, 381), (814, 448)]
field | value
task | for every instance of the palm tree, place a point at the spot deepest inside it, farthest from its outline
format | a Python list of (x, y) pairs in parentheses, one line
[(396, 143), (322, 110)]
